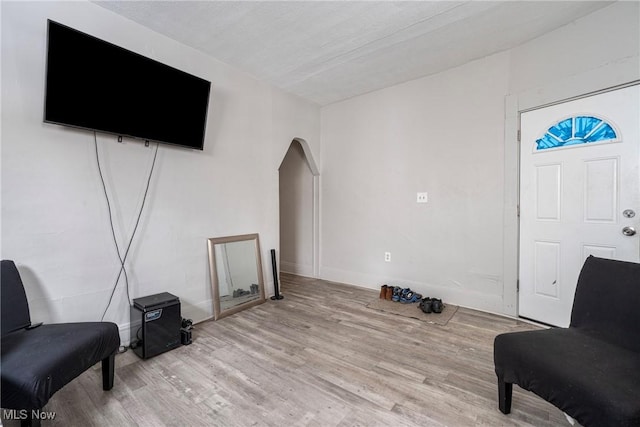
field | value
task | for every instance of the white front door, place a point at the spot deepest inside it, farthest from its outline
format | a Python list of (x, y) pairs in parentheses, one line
[(579, 196)]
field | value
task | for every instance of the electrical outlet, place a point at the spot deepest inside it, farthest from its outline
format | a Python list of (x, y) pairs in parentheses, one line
[(387, 256), (421, 198)]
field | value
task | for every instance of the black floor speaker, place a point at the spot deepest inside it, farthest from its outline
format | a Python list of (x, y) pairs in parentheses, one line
[(276, 286), (155, 324)]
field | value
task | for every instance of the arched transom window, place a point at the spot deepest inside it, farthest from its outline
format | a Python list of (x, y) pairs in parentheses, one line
[(576, 130)]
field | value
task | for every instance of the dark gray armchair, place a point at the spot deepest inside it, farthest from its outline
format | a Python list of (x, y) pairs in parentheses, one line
[(38, 360), (591, 370)]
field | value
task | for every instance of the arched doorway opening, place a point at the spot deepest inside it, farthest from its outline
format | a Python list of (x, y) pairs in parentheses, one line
[(299, 225)]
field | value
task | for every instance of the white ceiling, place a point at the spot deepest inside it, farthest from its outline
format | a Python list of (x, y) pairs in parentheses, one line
[(327, 51)]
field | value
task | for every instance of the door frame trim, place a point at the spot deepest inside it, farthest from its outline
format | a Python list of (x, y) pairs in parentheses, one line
[(603, 79)]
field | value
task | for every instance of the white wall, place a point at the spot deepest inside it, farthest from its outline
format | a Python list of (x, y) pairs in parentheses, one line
[(54, 217), (450, 135), (444, 134), (606, 37), (296, 213)]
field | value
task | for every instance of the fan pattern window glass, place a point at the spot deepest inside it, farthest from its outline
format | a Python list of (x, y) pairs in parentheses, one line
[(576, 130)]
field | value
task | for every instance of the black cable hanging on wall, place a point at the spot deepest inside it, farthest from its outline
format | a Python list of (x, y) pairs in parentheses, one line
[(122, 259)]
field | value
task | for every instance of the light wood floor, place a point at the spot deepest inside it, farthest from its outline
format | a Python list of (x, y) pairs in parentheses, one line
[(319, 357)]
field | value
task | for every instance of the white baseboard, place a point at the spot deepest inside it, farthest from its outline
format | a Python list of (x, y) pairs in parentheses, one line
[(124, 330), (294, 268), (464, 297)]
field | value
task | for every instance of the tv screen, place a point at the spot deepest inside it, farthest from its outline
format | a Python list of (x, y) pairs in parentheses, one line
[(93, 84)]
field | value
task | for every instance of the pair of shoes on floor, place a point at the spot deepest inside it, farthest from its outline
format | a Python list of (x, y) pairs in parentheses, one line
[(407, 296), (386, 292), (431, 305), (398, 294)]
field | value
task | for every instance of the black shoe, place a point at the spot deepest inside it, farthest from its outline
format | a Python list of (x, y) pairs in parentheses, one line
[(425, 305), (436, 305)]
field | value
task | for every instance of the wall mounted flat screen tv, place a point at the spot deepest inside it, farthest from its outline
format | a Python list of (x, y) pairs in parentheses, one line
[(96, 85)]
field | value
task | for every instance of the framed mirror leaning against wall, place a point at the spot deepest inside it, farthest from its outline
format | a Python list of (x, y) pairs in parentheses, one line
[(236, 274)]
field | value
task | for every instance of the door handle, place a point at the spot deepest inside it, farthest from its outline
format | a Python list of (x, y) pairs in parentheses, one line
[(629, 231)]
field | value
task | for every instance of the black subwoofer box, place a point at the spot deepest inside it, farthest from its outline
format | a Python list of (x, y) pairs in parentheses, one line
[(155, 324)]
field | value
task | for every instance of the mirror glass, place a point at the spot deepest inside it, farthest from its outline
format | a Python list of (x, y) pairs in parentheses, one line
[(236, 273)]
